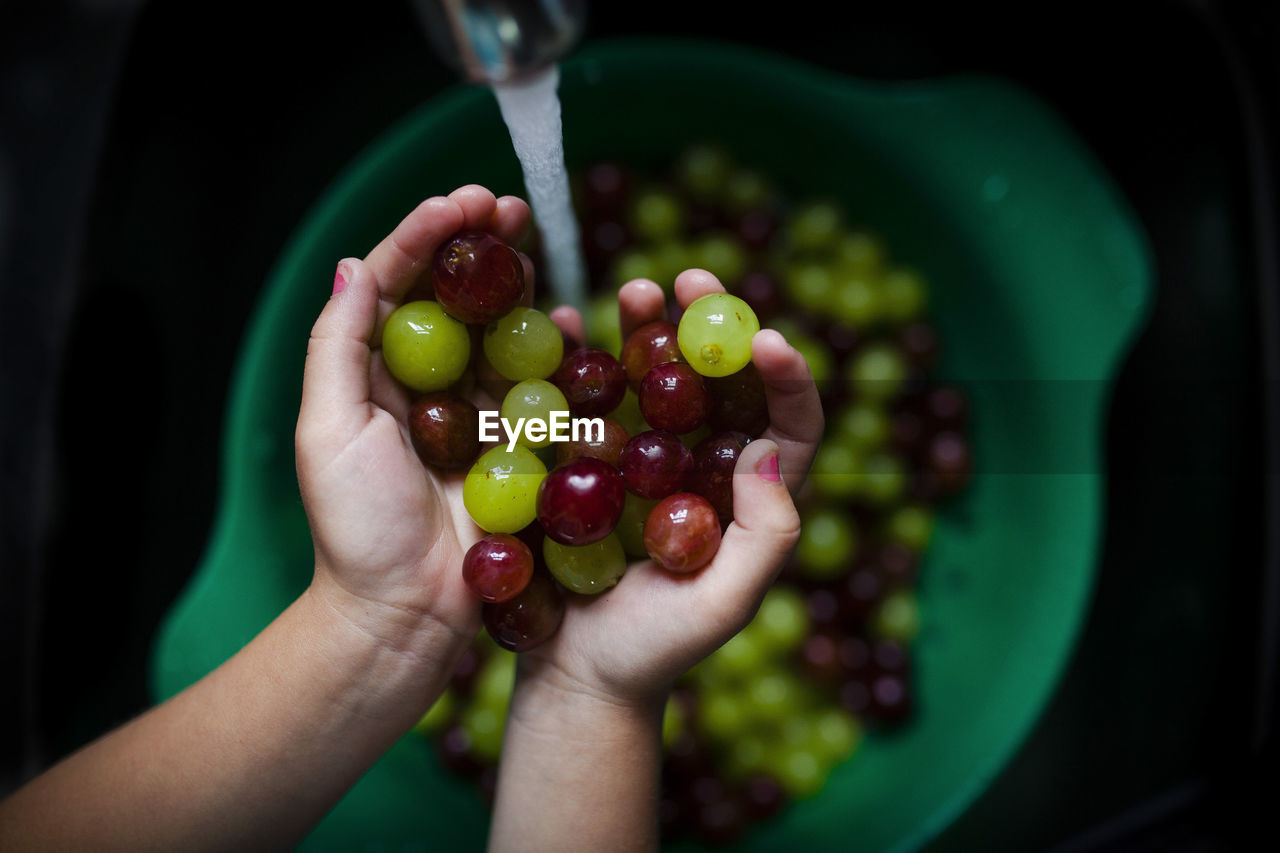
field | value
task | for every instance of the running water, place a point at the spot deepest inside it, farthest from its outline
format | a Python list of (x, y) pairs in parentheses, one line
[(531, 109)]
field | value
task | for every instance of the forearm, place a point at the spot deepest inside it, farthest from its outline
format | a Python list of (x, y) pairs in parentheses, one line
[(252, 755), (578, 772)]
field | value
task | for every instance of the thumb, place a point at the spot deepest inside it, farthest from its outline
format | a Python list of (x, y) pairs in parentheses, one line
[(765, 528), (335, 380)]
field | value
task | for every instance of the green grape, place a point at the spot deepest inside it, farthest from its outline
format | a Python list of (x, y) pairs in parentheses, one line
[(911, 526), (837, 469), (798, 771), (746, 756), (703, 171), (630, 529), (604, 329), (670, 258), (811, 286), (438, 715), (673, 724), (773, 696), (905, 295), (857, 301), (707, 675), (746, 190), (862, 426), (533, 398), (524, 344), (741, 656), (798, 731), (860, 253), (484, 729), (656, 215), (715, 334), (589, 569), (723, 715), (817, 356), (424, 347), (877, 372), (828, 543), (634, 264), (721, 255), (495, 681), (897, 617), (783, 619), (501, 489), (628, 414), (815, 227), (836, 734), (884, 479)]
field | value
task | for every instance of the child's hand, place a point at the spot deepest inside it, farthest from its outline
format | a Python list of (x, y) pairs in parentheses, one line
[(389, 534), (629, 643)]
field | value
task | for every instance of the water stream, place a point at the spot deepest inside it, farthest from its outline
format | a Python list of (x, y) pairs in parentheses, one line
[(531, 109)]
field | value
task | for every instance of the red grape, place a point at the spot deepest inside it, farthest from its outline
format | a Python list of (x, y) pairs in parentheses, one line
[(529, 619), (714, 460), (762, 292), (682, 533), (655, 463), (581, 502), (608, 448), (945, 407), (764, 796), (647, 347), (498, 567), (477, 277), (919, 343), (949, 461), (445, 430), (738, 402), (673, 396), (592, 380), (605, 189)]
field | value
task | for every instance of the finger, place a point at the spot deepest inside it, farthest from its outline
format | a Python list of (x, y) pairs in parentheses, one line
[(478, 206), (569, 322), (640, 302), (386, 392), (795, 410), (403, 254), (763, 532), (694, 284), (510, 220), (335, 378)]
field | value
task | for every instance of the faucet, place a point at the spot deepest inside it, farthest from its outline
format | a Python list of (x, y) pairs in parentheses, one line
[(501, 41)]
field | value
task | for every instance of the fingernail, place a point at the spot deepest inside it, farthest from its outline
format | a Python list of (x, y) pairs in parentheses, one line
[(767, 468), (340, 278)]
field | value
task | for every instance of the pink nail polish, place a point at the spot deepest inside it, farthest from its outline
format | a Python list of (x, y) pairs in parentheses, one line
[(340, 278), (767, 468)]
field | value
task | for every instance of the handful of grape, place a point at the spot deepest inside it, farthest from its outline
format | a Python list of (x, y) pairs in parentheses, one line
[(659, 486), (830, 655)]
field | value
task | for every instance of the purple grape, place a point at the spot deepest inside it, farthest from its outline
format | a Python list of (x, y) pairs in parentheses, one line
[(655, 464), (714, 461), (592, 381), (580, 502), (673, 396)]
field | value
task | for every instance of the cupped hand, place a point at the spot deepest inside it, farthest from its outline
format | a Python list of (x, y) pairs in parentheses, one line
[(629, 643), (389, 534)]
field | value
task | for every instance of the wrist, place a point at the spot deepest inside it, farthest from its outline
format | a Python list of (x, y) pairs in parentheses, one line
[(554, 703), (397, 660)]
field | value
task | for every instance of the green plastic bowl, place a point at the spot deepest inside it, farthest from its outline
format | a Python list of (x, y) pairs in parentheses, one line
[(1040, 280)]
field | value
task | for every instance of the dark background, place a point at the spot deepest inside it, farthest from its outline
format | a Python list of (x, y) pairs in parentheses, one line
[(155, 157)]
